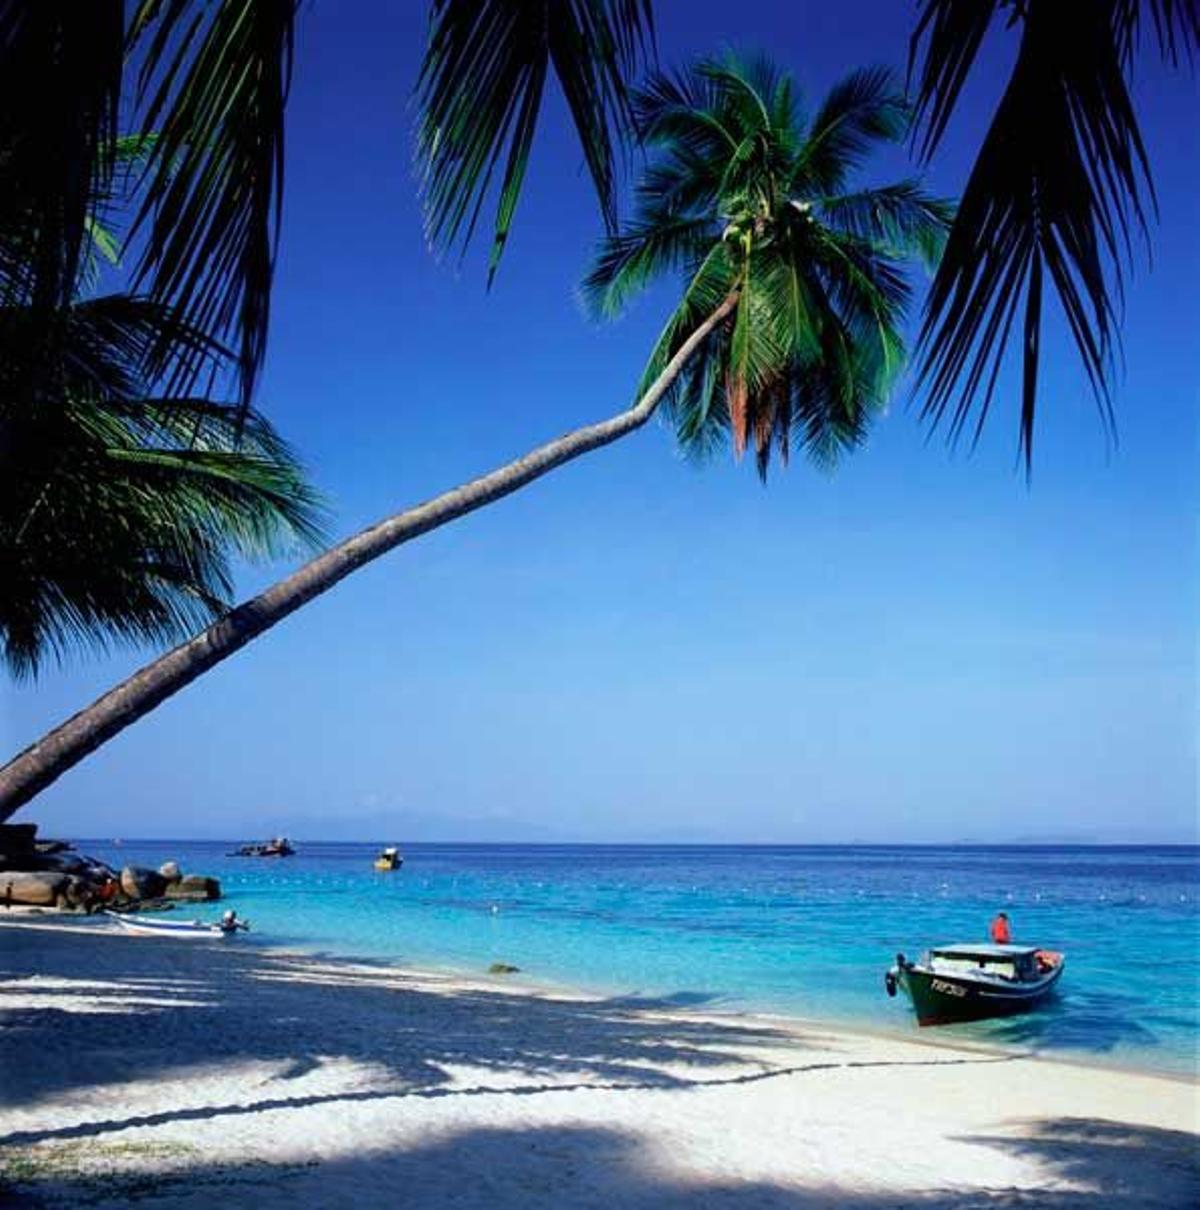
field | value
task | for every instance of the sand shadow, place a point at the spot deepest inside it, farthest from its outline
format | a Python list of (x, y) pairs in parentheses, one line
[(140, 1009), (1108, 1164)]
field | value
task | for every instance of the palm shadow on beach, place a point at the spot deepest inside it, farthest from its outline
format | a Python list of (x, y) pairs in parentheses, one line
[(139, 1012), (1105, 1163)]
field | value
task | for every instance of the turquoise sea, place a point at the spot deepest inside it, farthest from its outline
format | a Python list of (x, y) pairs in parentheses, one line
[(806, 931)]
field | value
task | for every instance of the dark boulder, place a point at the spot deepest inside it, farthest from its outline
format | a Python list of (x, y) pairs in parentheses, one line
[(17, 851), (140, 883), (18, 837), (194, 887), (57, 863), (63, 863), (99, 871), (78, 894), (54, 846), (34, 888)]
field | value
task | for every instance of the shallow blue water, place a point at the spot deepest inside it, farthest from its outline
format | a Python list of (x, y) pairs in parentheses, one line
[(801, 930)]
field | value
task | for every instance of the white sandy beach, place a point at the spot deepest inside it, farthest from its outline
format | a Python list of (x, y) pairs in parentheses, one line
[(166, 1073)]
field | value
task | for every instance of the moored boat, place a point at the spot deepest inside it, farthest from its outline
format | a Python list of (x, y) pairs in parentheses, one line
[(970, 982), (280, 846), (226, 927), (389, 859)]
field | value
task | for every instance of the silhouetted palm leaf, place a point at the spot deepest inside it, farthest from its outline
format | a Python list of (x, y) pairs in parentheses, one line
[(121, 514), (60, 84), (1059, 188), (481, 89), (212, 84)]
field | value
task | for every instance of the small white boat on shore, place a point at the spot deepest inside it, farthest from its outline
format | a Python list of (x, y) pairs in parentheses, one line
[(226, 927)]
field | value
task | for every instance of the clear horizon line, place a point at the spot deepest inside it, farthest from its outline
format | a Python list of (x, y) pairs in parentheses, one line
[(681, 844)]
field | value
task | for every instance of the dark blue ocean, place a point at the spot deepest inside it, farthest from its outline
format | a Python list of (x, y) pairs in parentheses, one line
[(805, 931)]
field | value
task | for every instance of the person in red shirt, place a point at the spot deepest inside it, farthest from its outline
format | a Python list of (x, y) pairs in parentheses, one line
[(999, 930)]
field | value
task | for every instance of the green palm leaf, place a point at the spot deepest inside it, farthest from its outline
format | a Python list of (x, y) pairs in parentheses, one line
[(213, 83), (121, 514), (742, 198), (169, 493), (481, 88)]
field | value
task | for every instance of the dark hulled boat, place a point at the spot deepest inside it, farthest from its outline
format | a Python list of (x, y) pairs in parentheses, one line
[(280, 846), (970, 982)]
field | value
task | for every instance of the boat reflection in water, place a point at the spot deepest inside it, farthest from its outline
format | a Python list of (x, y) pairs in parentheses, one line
[(970, 982)]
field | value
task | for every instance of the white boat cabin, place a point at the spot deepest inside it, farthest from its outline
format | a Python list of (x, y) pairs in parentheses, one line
[(1015, 962)]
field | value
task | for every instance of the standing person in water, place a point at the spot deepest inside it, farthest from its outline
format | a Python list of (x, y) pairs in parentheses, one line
[(1000, 933)]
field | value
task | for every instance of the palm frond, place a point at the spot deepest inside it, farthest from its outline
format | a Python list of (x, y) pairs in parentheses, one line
[(746, 88), (744, 201), (628, 261), (900, 217), (60, 87), (1175, 27), (859, 112), (676, 107), (213, 84), (947, 39), (100, 346), (168, 492), (1060, 187), (480, 92), (1056, 192), (713, 280)]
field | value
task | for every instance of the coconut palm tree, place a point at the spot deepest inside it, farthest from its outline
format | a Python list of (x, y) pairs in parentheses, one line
[(749, 202), (215, 75), (787, 332)]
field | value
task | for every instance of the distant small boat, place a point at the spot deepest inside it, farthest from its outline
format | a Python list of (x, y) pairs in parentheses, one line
[(971, 982), (280, 846), (181, 928), (389, 859)]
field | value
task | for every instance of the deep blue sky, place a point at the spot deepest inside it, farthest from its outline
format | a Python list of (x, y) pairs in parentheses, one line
[(919, 647)]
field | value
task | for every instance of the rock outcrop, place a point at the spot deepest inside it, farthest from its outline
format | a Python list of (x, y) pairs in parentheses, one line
[(44, 888), (51, 874), (194, 887), (36, 888), (138, 882)]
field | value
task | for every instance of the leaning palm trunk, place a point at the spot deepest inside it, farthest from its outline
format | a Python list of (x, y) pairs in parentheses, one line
[(57, 751)]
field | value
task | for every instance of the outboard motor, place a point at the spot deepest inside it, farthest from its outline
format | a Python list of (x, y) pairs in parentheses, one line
[(890, 979)]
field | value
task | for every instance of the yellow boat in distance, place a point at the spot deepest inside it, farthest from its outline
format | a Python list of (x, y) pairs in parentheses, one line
[(389, 859)]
